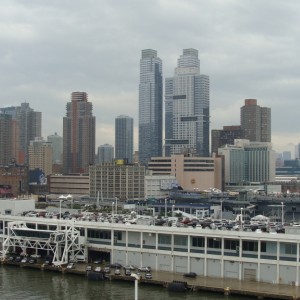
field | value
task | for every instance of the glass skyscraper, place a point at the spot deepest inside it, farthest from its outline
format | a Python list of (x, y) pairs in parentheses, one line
[(105, 154), (187, 108), (150, 106), (124, 138)]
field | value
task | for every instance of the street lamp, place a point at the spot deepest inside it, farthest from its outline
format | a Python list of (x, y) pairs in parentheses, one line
[(165, 207), (282, 219), (221, 214), (60, 201), (242, 218), (136, 280)]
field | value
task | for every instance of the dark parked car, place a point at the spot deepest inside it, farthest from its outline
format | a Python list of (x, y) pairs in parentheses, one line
[(144, 269), (116, 266), (18, 259), (32, 261), (190, 275)]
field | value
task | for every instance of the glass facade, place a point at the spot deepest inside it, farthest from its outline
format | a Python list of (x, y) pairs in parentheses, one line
[(187, 108), (150, 106)]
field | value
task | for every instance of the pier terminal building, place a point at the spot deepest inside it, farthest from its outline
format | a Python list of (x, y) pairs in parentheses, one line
[(263, 257)]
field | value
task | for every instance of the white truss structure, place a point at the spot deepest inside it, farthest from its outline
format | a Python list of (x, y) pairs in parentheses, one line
[(63, 244)]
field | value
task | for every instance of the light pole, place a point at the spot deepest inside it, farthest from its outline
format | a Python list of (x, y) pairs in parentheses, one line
[(136, 281), (282, 218), (60, 201), (242, 219), (116, 206), (112, 212), (221, 214), (165, 207), (173, 206)]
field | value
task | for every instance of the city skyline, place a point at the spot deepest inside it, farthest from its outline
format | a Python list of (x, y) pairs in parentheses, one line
[(249, 49)]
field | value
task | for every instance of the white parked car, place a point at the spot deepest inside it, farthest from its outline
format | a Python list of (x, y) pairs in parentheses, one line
[(129, 267), (71, 266), (98, 269), (144, 269)]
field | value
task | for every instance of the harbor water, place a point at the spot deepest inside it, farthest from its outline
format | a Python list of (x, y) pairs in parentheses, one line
[(31, 284)]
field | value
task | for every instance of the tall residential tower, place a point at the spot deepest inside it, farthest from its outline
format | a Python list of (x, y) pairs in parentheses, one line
[(187, 108), (26, 126), (78, 135), (150, 106), (256, 122), (124, 138)]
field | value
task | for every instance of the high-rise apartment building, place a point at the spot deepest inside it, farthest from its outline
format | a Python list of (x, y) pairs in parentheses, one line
[(226, 136), (40, 156), (105, 154), (26, 126), (256, 122), (5, 139), (56, 142), (78, 134), (150, 106), (124, 138), (187, 108)]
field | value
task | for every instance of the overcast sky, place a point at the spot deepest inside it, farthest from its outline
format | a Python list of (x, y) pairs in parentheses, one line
[(249, 48)]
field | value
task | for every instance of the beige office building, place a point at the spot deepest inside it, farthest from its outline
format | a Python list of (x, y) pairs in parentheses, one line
[(40, 155), (69, 184), (192, 173), (125, 182)]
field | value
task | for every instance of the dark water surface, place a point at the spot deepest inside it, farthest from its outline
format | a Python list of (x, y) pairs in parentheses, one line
[(22, 283)]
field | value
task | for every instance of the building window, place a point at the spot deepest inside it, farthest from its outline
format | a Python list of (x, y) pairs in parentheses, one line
[(180, 240), (231, 244), (250, 246), (214, 243), (198, 242), (164, 239)]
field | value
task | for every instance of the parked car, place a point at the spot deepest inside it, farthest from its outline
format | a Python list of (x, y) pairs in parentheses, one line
[(97, 261), (127, 272), (71, 266), (148, 275), (48, 260), (89, 268), (129, 267), (98, 269), (190, 274), (24, 260), (116, 266), (11, 258), (32, 261), (117, 272), (144, 269), (18, 259), (106, 269)]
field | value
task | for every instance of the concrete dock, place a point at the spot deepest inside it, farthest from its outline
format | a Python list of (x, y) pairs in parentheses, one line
[(225, 286)]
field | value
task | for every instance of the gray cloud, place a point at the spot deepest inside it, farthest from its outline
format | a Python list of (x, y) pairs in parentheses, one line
[(248, 48)]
